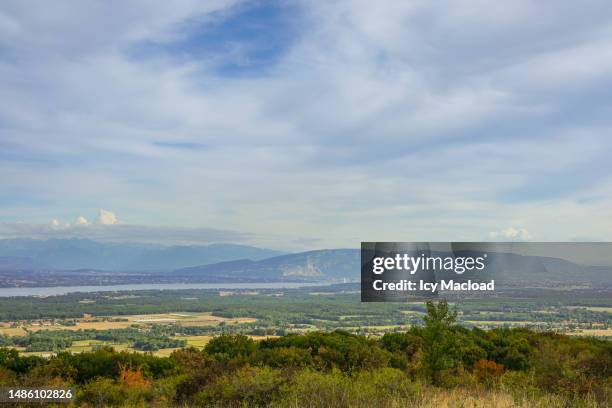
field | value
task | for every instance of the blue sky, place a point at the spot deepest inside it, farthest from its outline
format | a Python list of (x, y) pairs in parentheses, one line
[(306, 124)]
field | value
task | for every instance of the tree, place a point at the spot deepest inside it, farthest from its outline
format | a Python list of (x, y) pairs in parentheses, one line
[(230, 346), (439, 341)]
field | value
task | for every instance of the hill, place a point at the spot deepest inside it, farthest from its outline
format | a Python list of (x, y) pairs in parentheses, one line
[(312, 265)]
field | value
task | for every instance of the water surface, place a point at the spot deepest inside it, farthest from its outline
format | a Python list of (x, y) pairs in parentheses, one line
[(62, 290)]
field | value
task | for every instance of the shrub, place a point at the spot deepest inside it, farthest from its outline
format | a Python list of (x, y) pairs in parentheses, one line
[(101, 393), (378, 388), (455, 377), (318, 389), (133, 378), (250, 386), (488, 372)]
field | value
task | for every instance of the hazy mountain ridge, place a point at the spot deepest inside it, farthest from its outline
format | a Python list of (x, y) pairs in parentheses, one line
[(311, 265), (26, 261), (69, 254), (20, 262), (334, 264), (526, 270)]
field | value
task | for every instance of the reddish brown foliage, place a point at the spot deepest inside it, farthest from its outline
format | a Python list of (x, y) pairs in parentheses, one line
[(132, 378), (487, 371)]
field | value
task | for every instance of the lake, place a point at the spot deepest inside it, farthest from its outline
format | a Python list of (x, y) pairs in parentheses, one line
[(62, 290)]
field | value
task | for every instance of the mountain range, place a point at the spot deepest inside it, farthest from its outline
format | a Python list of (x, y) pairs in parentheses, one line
[(323, 264), (69, 260), (68, 254), (337, 264)]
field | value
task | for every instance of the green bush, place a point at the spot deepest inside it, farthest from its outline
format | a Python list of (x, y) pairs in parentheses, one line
[(249, 386), (379, 388)]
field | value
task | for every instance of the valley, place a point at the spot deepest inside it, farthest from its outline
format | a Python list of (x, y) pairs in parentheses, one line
[(160, 321)]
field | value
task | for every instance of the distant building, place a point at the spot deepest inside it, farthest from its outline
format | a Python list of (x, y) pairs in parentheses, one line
[(87, 316)]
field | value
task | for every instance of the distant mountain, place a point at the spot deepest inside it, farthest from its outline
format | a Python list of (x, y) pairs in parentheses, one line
[(20, 263), (523, 270), (64, 254), (181, 256), (313, 265), (134, 262), (335, 264)]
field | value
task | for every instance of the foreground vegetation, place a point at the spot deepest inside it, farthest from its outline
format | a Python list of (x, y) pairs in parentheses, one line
[(437, 364)]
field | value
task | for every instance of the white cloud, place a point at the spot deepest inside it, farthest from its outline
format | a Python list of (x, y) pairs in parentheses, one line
[(106, 217), (512, 234), (81, 220)]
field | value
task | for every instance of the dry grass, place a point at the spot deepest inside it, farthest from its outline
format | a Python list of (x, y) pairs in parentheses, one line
[(454, 398), (463, 398)]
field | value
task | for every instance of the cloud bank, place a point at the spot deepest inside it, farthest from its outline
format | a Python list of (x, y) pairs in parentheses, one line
[(122, 233)]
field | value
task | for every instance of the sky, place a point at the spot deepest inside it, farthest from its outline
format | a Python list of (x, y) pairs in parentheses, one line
[(306, 124)]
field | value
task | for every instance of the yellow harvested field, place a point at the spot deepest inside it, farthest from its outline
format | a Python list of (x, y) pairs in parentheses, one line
[(257, 338), (122, 347), (84, 325), (195, 341), (504, 322), (592, 332), (600, 309), (165, 352), (603, 309), (381, 327), (37, 353), (12, 331), (186, 319)]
